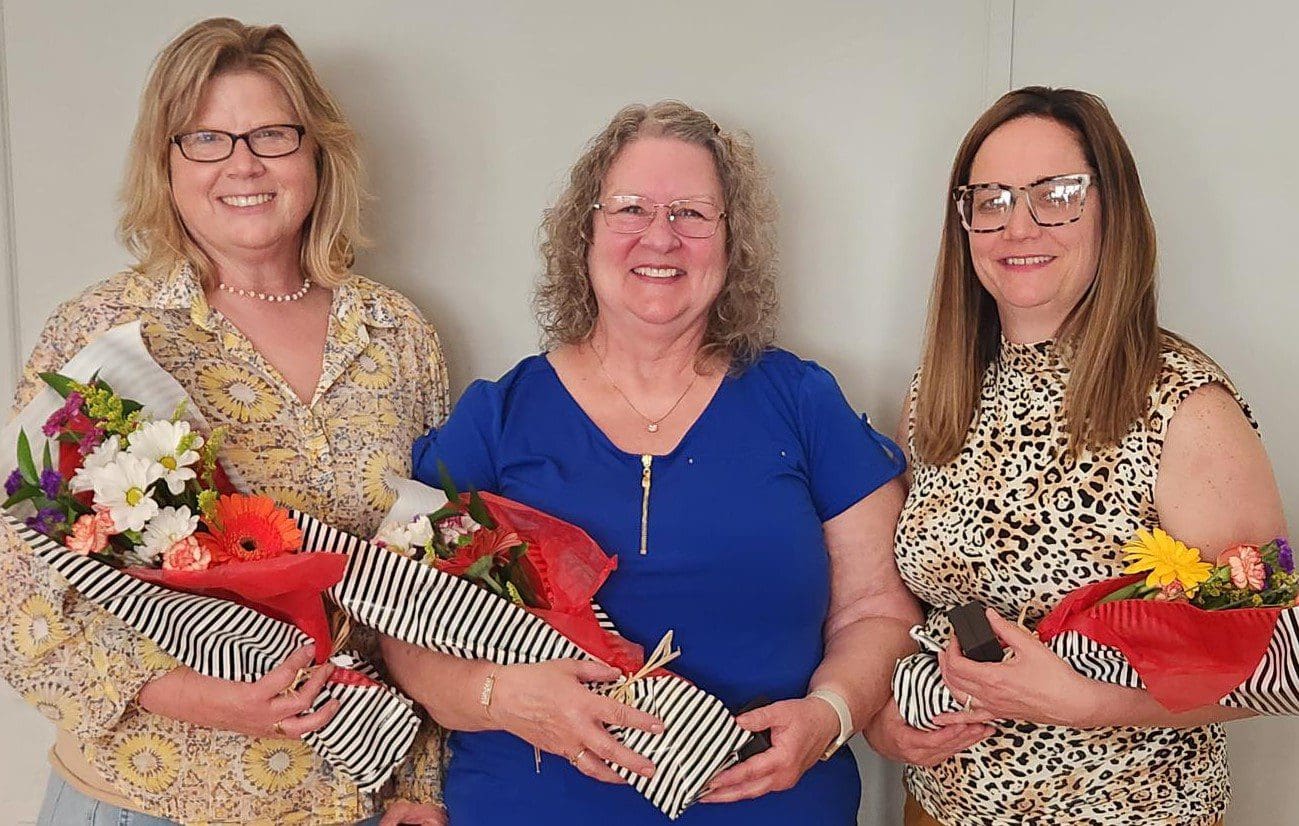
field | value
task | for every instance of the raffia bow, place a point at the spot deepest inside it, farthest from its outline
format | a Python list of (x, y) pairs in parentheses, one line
[(662, 655)]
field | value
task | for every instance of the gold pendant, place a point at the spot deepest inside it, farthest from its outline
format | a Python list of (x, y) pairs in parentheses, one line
[(652, 427)]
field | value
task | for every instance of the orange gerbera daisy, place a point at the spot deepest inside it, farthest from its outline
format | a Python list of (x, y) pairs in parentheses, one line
[(246, 528)]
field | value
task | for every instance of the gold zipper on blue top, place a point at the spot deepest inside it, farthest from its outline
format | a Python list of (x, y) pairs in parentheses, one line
[(646, 460)]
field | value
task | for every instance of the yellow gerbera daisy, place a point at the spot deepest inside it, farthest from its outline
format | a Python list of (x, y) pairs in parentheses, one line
[(148, 762), (38, 628), (1167, 559), (277, 765), (374, 368), (238, 393), (56, 705)]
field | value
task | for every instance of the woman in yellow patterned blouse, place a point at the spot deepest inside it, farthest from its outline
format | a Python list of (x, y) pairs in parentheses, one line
[(242, 197)]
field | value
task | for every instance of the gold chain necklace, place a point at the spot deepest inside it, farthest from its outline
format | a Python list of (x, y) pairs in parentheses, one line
[(651, 425)]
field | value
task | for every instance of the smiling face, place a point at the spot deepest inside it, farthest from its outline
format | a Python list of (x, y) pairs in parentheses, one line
[(245, 206), (1037, 275), (656, 277)]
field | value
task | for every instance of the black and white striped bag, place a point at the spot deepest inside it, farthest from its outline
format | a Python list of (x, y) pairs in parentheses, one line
[(369, 736), (1272, 689), (423, 606), (374, 727)]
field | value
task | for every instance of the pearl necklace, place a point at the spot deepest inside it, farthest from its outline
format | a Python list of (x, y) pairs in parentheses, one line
[(294, 296), (651, 425)]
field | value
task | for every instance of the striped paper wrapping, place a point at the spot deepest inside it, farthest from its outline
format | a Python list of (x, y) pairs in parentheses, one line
[(423, 606), (1272, 689), (369, 736)]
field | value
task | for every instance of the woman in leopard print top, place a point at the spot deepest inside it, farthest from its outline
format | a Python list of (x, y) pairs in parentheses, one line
[(1050, 419)]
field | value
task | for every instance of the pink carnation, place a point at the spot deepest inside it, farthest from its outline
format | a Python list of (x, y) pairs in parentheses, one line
[(90, 533), (1246, 565), (186, 555), (1172, 592)]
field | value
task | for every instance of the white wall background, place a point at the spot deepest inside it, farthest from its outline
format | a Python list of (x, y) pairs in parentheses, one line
[(471, 115)]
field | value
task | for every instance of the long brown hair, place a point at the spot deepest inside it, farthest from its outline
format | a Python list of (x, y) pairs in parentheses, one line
[(742, 320), (1111, 338), (151, 227)]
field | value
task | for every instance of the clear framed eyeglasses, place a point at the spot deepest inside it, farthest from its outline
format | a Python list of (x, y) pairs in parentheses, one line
[(211, 145), (1052, 202), (688, 217)]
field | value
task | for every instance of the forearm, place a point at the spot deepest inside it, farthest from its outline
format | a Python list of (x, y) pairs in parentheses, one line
[(1113, 705), (52, 640), (859, 660), (449, 688)]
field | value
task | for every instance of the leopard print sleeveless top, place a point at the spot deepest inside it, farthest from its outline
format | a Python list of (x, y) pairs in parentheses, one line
[(1016, 523)]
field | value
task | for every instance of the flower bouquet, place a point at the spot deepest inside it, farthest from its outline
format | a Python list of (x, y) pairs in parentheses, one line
[(1192, 633), (480, 576), (137, 514)]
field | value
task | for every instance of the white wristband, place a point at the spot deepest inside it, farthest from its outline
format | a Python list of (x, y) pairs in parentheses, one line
[(840, 706)]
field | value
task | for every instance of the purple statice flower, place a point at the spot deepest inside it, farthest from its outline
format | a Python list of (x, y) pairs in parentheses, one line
[(1284, 555), (13, 483), (46, 520), (51, 481), (60, 418)]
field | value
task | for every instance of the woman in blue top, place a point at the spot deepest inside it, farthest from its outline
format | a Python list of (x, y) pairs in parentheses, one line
[(751, 510)]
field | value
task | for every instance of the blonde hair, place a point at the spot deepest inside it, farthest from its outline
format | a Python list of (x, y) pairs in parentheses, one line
[(151, 227), (1111, 339), (742, 321)]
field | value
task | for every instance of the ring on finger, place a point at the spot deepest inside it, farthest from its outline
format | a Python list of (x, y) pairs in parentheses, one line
[(969, 702), (279, 728), (577, 756)]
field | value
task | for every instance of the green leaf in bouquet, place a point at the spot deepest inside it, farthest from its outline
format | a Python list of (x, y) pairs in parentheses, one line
[(478, 511), (443, 512), (21, 495), (47, 461), (481, 571), (26, 467), (444, 481), (111, 560), (1135, 590), (60, 383)]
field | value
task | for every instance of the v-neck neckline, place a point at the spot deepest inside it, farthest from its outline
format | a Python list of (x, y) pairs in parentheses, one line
[(609, 442)]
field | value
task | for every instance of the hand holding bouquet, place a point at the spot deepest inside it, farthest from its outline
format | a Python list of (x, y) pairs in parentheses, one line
[(138, 516), (522, 593), (1190, 632)]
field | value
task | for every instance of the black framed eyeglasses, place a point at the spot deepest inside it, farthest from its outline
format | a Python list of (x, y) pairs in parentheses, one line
[(211, 145), (688, 217), (1052, 202)]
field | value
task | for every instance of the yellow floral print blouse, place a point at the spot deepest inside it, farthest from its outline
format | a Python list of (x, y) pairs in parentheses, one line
[(384, 383)]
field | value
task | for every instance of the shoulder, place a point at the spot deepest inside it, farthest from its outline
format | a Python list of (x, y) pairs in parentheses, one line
[(532, 374), (114, 295), (789, 375), (1191, 384), (1183, 367), (383, 303), (118, 299)]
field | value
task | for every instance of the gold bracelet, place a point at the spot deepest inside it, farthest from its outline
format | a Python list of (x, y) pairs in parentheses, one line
[(485, 694)]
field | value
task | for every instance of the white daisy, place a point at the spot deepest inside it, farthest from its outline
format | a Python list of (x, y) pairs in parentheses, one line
[(405, 537), (166, 528), (99, 458), (122, 488), (169, 444)]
